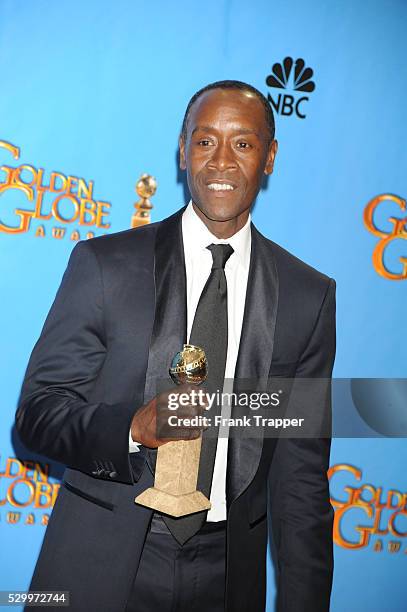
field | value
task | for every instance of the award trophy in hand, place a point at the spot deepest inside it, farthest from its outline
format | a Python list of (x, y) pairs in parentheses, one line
[(176, 473)]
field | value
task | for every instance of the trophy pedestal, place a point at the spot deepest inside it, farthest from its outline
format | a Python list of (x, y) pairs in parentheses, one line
[(176, 474), (174, 505)]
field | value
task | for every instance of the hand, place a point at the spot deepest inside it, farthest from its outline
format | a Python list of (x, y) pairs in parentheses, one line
[(150, 424)]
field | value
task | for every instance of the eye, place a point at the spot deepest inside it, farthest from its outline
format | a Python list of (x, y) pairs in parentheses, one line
[(204, 142), (242, 144)]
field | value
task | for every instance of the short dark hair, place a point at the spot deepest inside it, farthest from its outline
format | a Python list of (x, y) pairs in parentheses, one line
[(240, 85)]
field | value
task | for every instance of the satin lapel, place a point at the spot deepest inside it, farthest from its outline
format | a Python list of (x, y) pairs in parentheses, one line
[(170, 327), (254, 358)]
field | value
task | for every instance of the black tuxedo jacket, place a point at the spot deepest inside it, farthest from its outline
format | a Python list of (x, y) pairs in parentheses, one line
[(118, 318)]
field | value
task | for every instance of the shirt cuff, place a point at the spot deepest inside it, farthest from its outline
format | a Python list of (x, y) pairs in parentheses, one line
[(134, 447)]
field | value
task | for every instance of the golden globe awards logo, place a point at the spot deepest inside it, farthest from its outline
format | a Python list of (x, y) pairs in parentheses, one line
[(380, 514), (295, 76), (26, 494), (397, 232), (60, 198)]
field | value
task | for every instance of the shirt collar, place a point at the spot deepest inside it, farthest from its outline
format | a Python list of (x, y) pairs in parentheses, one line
[(196, 236)]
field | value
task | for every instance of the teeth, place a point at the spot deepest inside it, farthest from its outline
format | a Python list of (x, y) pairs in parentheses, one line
[(220, 186)]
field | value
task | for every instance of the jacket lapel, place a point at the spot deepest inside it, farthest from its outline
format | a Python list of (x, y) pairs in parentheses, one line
[(169, 329), (170, 322), (254, 359)]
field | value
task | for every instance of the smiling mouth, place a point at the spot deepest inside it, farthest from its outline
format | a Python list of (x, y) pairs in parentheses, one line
[(221, 187)]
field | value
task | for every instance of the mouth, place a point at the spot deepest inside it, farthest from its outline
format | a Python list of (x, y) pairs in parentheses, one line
[(220, 187)]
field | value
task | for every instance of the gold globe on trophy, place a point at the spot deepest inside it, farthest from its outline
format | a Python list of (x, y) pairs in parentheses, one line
[(176, 472), (189, 366), (146, 187)]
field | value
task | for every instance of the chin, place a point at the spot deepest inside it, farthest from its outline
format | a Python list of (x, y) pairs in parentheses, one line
[(217, 212)]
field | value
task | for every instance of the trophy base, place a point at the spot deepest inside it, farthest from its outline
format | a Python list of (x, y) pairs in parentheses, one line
[(173, 505)]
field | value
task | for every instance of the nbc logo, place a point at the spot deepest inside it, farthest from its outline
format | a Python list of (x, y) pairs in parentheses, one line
[(289, 75)]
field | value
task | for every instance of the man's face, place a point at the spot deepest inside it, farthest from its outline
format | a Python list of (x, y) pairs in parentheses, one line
[(226, 153)]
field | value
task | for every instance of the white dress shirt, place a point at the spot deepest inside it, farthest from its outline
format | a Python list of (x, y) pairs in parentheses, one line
[(198, 265)]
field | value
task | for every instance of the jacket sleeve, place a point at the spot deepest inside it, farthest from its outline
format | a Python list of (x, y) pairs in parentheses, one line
[(299, 500), (54, 415)]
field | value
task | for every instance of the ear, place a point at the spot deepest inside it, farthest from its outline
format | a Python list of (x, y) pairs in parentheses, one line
[(271, 157), (182, 160)]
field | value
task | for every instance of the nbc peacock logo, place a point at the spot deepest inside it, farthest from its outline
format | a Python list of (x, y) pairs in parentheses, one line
[(290, 75)]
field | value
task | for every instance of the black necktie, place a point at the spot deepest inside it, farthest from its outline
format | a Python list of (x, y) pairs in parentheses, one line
[(210, 332)]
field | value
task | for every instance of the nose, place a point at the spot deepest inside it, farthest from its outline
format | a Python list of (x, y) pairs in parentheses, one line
[(222, 157)]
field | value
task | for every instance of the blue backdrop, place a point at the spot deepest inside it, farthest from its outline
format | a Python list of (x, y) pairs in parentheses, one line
[(97, 90)]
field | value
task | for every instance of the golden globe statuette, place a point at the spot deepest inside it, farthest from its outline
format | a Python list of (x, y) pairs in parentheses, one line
[(176, 472), (146, 187)]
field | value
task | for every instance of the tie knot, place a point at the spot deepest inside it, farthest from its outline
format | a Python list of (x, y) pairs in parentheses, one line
[(220, 254)]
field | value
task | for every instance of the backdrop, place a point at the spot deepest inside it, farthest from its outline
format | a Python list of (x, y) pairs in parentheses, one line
[(92, 96)]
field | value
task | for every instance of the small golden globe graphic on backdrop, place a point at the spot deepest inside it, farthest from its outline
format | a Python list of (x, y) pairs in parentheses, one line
[(146, 187)]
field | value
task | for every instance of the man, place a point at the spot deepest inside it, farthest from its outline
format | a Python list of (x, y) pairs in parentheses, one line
[(126, 305)]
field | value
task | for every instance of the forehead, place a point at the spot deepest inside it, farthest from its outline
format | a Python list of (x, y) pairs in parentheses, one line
[(228, 108)]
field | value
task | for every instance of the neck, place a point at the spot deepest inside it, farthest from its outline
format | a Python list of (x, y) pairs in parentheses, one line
[(223, 229)]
